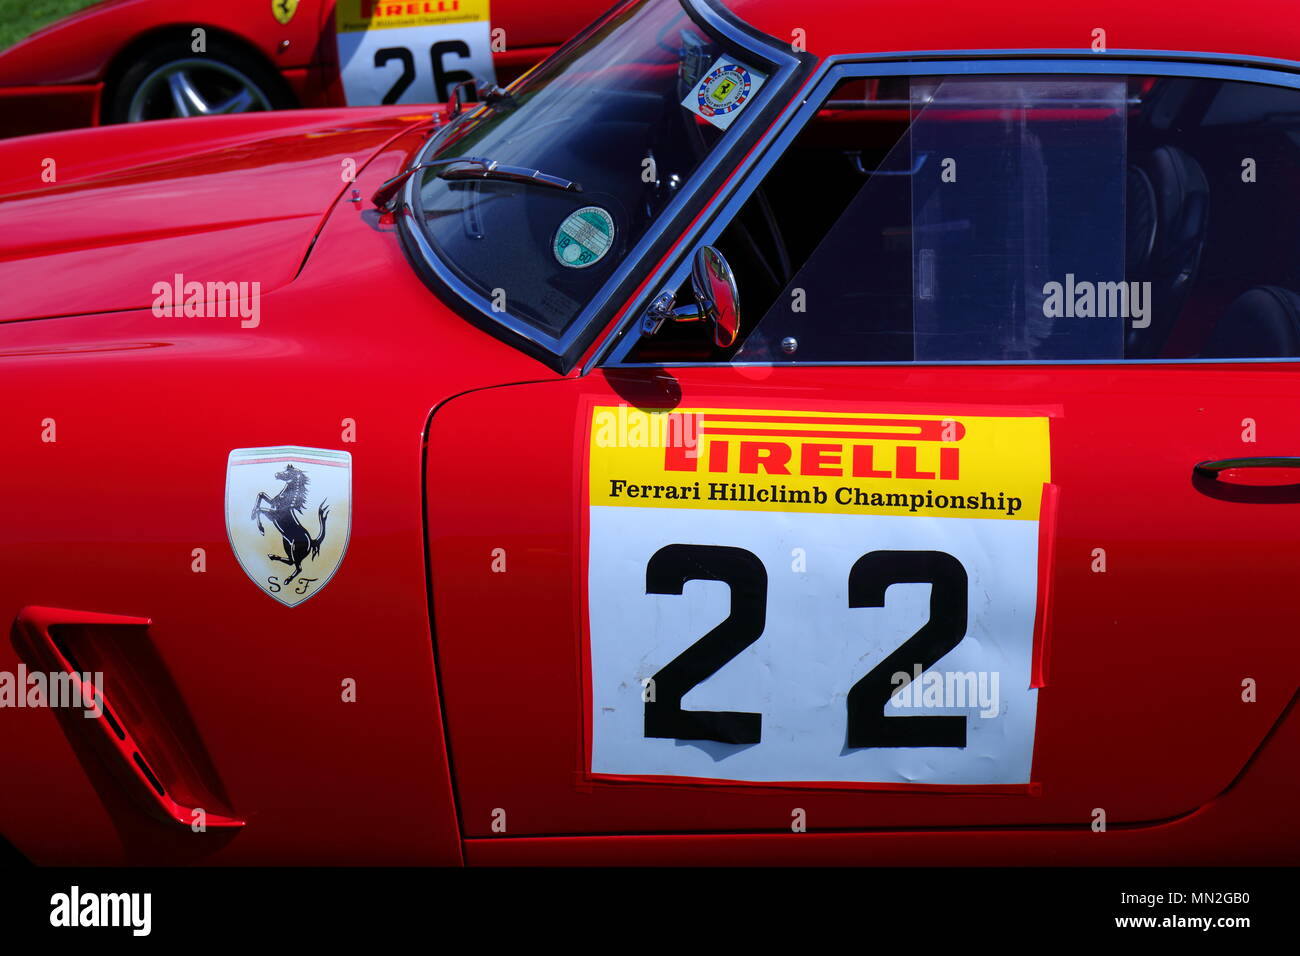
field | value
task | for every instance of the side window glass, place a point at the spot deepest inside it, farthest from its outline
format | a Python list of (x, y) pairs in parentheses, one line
[(1022, 218), (996, 187)]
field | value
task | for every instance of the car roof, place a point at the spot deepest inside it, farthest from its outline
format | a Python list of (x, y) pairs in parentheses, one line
[(1262, 28)]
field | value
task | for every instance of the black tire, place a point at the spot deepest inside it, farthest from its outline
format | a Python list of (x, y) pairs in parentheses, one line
[(220, 71)]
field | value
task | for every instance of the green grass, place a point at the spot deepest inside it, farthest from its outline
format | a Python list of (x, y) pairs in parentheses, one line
[(18, 18)]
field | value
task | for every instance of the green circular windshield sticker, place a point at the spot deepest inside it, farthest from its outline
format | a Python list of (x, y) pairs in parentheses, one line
[(584, 237)]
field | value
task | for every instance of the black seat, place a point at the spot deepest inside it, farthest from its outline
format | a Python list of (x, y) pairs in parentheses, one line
[(1168, 208), (1261, 323)]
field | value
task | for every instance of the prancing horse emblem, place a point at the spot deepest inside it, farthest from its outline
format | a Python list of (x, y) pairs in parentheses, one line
[(311, 510), (283, 512), (283, 10)]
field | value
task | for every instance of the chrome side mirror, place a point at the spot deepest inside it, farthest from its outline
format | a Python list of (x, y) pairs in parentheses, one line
[(716, 294), (717, 300)]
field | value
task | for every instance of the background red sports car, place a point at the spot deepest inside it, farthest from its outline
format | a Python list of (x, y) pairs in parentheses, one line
[(122, 60)]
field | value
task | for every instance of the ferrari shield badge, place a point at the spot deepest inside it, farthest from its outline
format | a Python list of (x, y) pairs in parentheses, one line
[(283, 10), (288, 515)]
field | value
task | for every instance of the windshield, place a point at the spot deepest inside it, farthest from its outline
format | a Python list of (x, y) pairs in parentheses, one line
[(627, 112)]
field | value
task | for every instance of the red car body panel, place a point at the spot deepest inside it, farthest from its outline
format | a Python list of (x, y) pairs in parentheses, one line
[(465, 445), (79, 48), (55, 78), (175, 215), (377, 790), (1237, 828), (1143, 764)]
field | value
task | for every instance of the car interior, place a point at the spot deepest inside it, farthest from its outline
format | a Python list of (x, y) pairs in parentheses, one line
[(1186, 185)]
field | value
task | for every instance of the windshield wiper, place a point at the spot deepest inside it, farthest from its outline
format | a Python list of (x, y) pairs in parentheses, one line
[(461, 168)]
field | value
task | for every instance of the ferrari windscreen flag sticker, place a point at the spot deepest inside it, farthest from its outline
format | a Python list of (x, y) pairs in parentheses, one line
[(584, 237), (288, 515), (411, 52), (723, 91), (813, 596)]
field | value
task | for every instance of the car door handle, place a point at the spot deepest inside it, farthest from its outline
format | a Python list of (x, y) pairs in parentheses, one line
[(1213, 469), (38, 624), (1209, 478)]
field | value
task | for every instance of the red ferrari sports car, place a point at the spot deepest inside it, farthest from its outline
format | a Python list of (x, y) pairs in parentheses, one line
[(762, 433), (128, 60)]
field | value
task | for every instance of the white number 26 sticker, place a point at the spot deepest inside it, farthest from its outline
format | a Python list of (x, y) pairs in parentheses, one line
[(388, 54)]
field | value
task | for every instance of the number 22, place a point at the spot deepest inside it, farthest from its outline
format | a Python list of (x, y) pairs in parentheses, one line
[(871, 575)]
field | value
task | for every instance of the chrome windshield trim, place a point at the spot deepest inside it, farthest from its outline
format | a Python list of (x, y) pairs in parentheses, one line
[(787, 68), (967, 363), (674, 271)]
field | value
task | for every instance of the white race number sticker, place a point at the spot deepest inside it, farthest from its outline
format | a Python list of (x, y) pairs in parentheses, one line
[(795, 596), (411, 52)]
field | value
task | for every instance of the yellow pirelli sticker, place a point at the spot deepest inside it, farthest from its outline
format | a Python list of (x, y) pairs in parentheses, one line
[(352, 16), (879, 463)]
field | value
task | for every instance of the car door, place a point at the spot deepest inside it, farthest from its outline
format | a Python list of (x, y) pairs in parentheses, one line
[(984, 522)]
